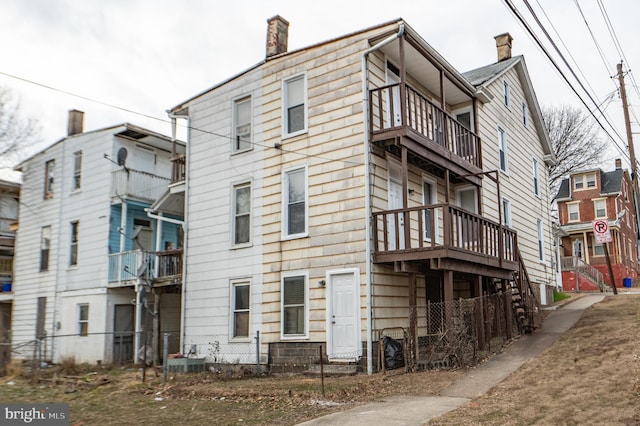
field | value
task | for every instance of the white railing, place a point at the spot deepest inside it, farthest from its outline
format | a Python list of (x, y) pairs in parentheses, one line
[(130, 265), (136, 184), (574, 263)]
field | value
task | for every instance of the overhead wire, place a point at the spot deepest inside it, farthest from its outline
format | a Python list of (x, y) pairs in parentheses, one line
[(167, 121)]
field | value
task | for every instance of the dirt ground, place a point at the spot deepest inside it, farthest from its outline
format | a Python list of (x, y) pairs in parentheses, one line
[(590, 376)]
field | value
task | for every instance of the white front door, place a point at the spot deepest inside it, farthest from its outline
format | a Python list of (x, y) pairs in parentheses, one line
[(343, 315)]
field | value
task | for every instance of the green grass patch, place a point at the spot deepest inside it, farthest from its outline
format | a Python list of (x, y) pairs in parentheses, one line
[(558, 296)]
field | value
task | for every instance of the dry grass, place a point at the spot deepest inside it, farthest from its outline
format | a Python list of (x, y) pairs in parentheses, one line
[(590, 376)]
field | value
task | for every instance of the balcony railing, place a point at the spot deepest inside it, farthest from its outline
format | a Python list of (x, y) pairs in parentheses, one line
[(128, 266), (179, 167), (169, 263), (388, 114), (139, 185), (426, 231)]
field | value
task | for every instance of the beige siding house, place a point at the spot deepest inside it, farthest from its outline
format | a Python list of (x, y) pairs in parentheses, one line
[(333, 192)]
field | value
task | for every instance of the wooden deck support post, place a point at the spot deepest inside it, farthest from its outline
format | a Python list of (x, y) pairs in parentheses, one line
[(478, 292), (413, 316)]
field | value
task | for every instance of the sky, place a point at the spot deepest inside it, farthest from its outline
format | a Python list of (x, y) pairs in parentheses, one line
[(131, 60)]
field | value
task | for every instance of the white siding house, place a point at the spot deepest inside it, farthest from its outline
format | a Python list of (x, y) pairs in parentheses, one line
[(337, 187), (78, 265)]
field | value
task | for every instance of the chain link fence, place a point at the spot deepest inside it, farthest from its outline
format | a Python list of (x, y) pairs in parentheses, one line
[(452, 334)]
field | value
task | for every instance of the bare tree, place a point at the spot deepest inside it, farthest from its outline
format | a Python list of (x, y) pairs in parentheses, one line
[(16, 132), (576, 142)]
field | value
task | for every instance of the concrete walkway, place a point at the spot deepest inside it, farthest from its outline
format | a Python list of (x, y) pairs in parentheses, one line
[(417, 410)]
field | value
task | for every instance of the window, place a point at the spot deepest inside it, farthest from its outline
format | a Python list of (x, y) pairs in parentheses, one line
[(525, 120), (242, 214), (294, 305), (429, 195), (506, 211), (83, 319), (584, 181), (507, 94), (598, 249), (295, 202), (540, 241), (240, 300), (73, 252), (573, 211), (536, 178), (600, 208), (294, 105), (45, 244), (49, 174), (77, 170), (242, 124), (502, 147)]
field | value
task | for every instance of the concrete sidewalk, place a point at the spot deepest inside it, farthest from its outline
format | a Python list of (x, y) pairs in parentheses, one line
[(417, 410)]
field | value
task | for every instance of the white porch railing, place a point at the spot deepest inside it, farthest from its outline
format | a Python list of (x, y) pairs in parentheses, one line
[(130, 265), (574, 263), (136, 184)]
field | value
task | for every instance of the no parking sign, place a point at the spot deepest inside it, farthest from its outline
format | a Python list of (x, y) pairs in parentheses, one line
[(601, 231)]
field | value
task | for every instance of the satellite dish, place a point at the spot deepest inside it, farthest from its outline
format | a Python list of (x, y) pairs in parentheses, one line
[(136, 232), (122, 156)]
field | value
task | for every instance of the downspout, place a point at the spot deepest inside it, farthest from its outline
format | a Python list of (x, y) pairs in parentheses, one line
[(185, 221), (367, 188)]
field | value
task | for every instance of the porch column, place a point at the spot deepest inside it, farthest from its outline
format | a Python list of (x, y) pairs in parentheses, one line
[(405, 198), (448, 286), (403, 83), (413, 315), (123, 231), (138, 325), (156, 327)]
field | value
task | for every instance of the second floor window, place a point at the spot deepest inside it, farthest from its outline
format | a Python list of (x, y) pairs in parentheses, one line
[(294, 105), (507, 94), (73, 249), (502, 148), (49, 174), (242, 214), (573, 212), (242, 124), (45, 244), (600, 208), (506, 211), (77, 171), (295, 202)]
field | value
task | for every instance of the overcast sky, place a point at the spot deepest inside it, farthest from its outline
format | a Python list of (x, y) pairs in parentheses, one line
[(149, 55)]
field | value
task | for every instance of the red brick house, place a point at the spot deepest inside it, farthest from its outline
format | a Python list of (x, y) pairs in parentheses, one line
[(582, 198)]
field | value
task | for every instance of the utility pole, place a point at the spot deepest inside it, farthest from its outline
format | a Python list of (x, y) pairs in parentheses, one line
[(627, 123)]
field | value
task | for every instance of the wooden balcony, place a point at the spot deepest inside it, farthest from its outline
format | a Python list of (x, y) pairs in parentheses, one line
[(425, 129), (443, 236), (169, 267), (179, 168)]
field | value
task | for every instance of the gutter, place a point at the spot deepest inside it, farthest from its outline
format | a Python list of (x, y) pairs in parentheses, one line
[(367, 200), (185, 222)]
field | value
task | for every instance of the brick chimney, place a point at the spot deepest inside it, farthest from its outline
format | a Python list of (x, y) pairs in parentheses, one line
[(503, 43), (75, 123), (618, 163), (277, 35)]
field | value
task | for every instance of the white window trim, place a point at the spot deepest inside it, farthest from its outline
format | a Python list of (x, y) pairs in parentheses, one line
[(525, 114), (234, 124), (76, 172), (285, 124), (305, 335), (235, 186), (583, 178), (540, 240), (507, 218), (536, 178), (232, 309), (81, 321), (502, 132), (506, 93), (595, 209), (285, 199), (72, 244), (594, 254), (434, 196), (576, 203)]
